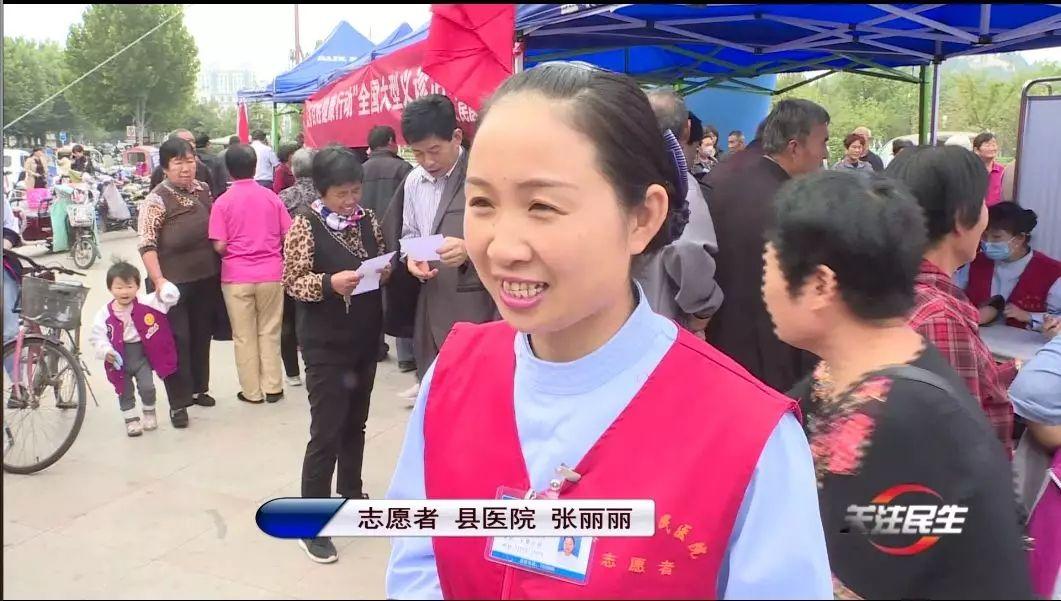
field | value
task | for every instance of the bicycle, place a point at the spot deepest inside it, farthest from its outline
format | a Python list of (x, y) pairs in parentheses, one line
[(38, 361)]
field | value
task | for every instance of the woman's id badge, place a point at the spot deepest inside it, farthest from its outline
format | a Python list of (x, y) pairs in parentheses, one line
[(564, 558)]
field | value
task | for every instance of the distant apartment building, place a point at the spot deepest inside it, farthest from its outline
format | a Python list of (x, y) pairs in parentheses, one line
[(221, 85)]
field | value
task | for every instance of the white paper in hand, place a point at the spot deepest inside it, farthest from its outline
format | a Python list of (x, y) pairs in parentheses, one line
[(370, 275), (423, 249)]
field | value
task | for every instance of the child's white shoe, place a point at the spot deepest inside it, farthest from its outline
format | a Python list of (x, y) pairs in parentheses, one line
[(133, 428), (150, 422)]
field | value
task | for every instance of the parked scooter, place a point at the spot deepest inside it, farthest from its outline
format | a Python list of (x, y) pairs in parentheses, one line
[(114, 212), (81, 218), (33, 215)]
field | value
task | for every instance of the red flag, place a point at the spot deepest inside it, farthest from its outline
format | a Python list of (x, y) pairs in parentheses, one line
[(469, 48), (243, 124)]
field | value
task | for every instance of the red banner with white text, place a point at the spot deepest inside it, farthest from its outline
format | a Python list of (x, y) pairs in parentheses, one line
[(375, 94)]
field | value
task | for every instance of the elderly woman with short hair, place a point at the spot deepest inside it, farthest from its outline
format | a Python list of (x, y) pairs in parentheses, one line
[(302, 194), (854, 146), (328, 241), (175, 247)]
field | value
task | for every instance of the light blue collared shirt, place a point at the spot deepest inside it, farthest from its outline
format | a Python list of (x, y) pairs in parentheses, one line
[(777, 549)]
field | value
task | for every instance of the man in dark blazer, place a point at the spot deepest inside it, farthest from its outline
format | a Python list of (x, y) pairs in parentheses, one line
[(385, 172), (740, 195)]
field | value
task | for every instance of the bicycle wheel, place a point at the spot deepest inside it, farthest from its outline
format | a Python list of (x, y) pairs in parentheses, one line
[(39, 428), (84, 253)]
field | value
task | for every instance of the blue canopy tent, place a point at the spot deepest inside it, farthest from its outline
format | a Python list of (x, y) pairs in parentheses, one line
[(301, 93), (722, 45), (698, 46), (399, 38), (342, 46)]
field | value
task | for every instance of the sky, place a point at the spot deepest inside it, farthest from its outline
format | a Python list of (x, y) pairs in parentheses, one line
[(266, 54)]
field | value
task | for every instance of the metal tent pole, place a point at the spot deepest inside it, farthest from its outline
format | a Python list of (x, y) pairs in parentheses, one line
[(923, 94), (934, 123), (274, 128)]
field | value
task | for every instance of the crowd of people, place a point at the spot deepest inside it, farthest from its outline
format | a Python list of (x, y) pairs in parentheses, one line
[(614, 293)]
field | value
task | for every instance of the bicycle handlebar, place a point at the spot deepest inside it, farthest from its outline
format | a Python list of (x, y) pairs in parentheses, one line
[(36, 267)]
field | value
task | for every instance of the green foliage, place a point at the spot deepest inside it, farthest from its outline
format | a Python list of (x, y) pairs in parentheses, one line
[(971, 99), (207, 117), (34, 71), (151, 84)]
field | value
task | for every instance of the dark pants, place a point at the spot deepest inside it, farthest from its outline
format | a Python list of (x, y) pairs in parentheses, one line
[(338, 406), (192, 320), (265, 183), (289, 339)]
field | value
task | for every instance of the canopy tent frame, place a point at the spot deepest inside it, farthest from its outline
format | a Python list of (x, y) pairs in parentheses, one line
[(876, 41), (693, 47)]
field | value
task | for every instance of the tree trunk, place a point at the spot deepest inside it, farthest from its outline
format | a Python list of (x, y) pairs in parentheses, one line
[(139, 119)]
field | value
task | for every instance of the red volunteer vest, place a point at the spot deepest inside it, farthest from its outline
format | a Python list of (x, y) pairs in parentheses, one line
[(1031, 289), (689, 439)]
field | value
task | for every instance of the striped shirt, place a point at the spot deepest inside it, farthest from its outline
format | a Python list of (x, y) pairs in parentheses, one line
[(423, 193)]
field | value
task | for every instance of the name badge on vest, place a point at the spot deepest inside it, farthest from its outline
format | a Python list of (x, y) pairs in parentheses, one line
[(563, 558)]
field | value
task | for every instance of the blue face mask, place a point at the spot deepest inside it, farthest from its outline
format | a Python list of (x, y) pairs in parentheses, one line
[(996, 251)]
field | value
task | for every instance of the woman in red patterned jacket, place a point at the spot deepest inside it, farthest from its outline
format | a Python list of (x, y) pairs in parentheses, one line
[(949, 183)]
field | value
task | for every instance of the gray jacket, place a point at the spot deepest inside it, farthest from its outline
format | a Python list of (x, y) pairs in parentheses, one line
[(862, 167), (455, 295), (679, 279)]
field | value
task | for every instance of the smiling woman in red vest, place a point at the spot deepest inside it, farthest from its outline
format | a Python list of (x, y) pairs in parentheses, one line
[(569, 179), (1008, 280)]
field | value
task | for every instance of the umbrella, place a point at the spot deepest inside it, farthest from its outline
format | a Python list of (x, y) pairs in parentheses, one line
[(469, 48)]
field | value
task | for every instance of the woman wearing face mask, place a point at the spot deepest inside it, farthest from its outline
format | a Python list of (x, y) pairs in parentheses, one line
[(569, 178), (1008, 280), (709, 152)]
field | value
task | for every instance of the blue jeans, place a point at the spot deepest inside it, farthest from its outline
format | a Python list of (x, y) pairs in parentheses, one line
[(11, 289)]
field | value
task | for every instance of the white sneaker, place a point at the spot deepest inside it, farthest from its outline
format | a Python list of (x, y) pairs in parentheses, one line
[(150, 422), (133, 428), (293, 380), (410, 394)]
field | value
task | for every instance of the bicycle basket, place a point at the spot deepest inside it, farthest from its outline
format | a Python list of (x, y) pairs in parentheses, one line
[(52, 304), (81, 215)]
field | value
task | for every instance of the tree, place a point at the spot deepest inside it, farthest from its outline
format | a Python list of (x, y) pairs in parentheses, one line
[(34, 71), (149, 85), (206, 117), (888, 108), (260, 116), (972, 99)]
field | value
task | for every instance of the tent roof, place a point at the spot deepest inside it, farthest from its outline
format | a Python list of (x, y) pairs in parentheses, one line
[(399, 38), (342, 46), (704, 44), (696, 42)]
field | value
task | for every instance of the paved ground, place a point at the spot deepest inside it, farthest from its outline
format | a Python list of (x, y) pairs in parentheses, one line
[(171, 514)]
